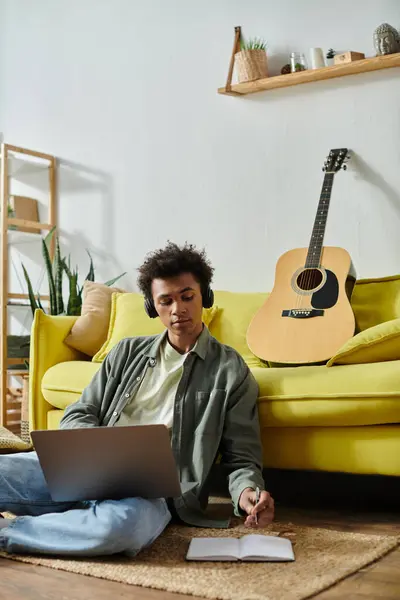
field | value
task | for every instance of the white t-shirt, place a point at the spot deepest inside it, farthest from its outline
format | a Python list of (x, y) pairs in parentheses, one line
[(154, 400)]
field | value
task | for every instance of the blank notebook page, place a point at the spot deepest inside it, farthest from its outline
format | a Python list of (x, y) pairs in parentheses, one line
[(268, 546), (210, 547)]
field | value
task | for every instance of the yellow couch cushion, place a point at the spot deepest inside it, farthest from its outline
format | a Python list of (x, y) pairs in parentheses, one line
[(365, 394), (292, 397), (375, 301), (230, 324), (375, 344), (63, 383), (128, 319)]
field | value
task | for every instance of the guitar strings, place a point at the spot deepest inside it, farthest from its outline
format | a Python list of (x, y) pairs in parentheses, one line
[(323, 206), (307, 278)]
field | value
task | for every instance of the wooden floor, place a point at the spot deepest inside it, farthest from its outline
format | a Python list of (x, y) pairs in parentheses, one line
[(380, 580)]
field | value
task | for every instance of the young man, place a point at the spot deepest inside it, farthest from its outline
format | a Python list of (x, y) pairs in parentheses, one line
[(184, 378)]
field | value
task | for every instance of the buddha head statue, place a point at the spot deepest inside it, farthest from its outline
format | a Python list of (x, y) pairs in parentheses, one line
[(386, 39)]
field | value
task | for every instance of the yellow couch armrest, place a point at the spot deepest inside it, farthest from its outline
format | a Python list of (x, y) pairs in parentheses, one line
[(47, 348)]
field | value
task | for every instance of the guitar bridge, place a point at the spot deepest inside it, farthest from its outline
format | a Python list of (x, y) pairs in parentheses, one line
[(303, 313)]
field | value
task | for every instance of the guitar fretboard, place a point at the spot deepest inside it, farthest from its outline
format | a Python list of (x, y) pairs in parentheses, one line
[(317, 237)]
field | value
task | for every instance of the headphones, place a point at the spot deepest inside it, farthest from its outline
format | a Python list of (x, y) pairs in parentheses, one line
[(208, 301)]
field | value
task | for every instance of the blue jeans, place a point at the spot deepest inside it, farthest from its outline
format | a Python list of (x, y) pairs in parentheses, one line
[(93, 528)]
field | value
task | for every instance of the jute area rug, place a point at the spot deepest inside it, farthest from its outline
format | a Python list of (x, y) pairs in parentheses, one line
[(323, 557)]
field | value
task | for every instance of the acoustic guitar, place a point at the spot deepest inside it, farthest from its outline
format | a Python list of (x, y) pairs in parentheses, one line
[(308, 315)]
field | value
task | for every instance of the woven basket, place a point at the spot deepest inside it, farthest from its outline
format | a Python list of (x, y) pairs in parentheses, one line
[(25, 433), (9, 442), (251, 65)]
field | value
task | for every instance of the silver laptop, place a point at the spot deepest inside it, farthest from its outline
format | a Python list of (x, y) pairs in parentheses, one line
[(107, 463)]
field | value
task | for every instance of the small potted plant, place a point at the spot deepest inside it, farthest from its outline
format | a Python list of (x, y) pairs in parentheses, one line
[(251, 61), (329, 57), (11, 215)]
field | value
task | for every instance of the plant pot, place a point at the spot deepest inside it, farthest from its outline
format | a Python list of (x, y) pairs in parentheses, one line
[(251, 65), (18, 346)]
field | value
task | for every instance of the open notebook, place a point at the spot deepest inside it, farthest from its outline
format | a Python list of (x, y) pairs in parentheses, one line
[(250, 547)]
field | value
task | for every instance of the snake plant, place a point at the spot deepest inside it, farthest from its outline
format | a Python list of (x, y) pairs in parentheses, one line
[(55, 270)]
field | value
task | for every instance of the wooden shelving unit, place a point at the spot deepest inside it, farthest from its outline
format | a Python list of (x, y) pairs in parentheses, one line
[(8, 152), (270, 83)]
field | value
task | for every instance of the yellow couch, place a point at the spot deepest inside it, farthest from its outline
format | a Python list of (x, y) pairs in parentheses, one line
[(339, 418)]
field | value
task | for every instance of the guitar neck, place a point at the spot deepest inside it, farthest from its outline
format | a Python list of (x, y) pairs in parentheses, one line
[(313, 260)]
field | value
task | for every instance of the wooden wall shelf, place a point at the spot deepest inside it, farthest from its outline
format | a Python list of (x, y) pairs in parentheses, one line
[(31, 224), (280, 81)]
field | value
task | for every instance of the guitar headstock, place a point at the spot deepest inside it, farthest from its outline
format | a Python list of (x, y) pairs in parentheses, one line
[(335, 160)]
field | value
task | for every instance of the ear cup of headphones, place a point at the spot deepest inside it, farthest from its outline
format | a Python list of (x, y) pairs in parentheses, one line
[(208, 298), (150, 308)]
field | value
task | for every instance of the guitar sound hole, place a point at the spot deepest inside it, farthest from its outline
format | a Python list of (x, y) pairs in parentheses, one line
[(309, 279)]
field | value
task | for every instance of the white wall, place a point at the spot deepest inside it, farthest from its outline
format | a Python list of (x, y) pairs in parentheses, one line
[(124, 93)]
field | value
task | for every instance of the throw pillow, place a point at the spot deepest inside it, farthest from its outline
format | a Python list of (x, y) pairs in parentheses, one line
[(230, 325), (375, 301), (376, 344), (90, 329), (128, 319)]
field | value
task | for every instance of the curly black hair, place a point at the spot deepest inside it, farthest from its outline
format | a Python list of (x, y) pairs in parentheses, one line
[(174, 260)]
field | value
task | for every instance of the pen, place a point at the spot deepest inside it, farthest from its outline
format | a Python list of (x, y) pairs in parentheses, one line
[(257, 500)]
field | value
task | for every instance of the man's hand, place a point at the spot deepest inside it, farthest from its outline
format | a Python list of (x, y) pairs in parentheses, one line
[(264, 509)]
